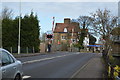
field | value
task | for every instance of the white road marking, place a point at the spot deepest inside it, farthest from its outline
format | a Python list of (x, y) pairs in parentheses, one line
[(77, 53), (25, 77), (48, 58)]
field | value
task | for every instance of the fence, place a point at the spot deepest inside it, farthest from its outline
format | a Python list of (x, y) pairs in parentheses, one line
[(22, 49), (112, 68), (113, 72)]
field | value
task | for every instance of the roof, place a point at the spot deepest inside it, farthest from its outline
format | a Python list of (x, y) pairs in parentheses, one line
[(59, 27), (3, 49)]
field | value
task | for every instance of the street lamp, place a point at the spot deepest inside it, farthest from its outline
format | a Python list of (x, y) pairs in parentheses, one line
[(19, 28)]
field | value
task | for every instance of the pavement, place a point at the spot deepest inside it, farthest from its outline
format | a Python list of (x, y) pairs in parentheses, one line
[(30, 54), (94, 68)]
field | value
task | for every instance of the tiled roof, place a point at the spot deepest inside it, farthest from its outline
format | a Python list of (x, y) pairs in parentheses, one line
[(59, 27)]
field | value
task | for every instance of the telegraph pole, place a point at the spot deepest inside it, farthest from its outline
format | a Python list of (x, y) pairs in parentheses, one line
[(19, 28), (53, 23)]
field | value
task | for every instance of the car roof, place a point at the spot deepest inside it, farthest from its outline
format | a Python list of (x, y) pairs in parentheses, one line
[(1, 49)]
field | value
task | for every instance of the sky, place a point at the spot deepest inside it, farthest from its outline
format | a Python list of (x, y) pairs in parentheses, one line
[(60, 0), (59, 9)]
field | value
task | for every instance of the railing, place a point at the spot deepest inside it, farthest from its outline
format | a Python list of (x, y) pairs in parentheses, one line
[(23, 49), (113, 71)]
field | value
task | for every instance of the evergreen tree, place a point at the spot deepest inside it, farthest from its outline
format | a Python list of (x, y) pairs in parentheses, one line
[(7, 26), (29, 33)]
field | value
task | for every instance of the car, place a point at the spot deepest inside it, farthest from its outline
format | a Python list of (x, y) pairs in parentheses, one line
[(11, 67)]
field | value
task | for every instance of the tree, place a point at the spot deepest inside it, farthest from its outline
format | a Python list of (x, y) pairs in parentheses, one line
[(92, 39), (7, 28), (103, 23), (30, 32), (85, 24), (7, 13), (7, 32), (0, 32)]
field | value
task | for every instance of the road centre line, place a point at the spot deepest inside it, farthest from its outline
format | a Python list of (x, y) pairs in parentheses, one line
[(47, 58)]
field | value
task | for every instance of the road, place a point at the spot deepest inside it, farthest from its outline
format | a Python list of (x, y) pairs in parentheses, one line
[(57, 65)]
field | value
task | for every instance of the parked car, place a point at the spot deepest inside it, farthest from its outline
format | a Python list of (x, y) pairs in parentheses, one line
[(11, 68)]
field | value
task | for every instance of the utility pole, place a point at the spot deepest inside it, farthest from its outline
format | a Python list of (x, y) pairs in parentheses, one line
[(19, 28), (53, 23)]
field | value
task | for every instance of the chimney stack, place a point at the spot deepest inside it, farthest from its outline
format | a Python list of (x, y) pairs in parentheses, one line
[(67, 20)]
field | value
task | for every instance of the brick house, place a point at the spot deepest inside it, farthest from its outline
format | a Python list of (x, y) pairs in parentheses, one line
[(66, 33)]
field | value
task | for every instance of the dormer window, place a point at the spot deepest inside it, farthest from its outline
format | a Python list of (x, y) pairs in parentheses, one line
[(65, 29)]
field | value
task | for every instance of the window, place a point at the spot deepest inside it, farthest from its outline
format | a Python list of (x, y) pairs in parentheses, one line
[(6, 58), (73, 40), (64, 37), (65, 29), (11, 59)]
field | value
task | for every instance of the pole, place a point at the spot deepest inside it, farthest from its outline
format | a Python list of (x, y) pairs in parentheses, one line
[(53, 32), (11, 49), (33, 50), (19, 28), (53, 23), (27, 49)]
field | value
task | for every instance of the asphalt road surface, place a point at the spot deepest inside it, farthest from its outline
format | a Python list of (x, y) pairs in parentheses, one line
[(57, 65)]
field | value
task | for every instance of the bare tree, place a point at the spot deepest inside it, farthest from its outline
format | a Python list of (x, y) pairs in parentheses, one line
[(103, 24), (0, 32), (85, 21), (7, 13)]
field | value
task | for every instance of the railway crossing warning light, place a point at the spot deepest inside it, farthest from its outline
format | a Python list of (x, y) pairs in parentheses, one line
[(49, 36)]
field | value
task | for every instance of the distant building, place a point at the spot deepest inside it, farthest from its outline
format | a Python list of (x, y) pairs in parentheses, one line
[(66, 32)]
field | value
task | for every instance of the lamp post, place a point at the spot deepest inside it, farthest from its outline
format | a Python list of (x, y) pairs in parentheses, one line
[(19, 28)]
